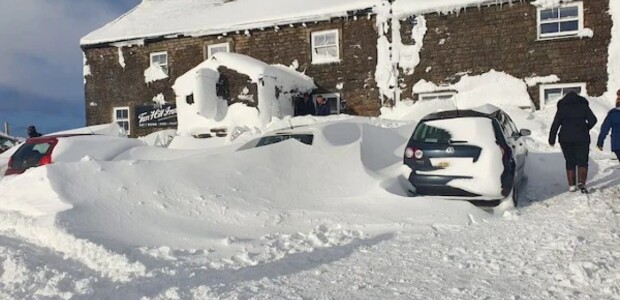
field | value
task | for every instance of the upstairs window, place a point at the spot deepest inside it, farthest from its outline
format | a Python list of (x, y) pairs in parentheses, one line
[(217, 48), (160, 59), (550, 94), (325, 47), (562, 21), (121, 117)]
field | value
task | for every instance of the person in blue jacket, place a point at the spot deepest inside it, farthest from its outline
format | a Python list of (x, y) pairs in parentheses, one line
[(322, 107), (612, 122), (574, 119)]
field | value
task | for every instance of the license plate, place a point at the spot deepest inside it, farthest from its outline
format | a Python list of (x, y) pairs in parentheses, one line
[(443, 164)]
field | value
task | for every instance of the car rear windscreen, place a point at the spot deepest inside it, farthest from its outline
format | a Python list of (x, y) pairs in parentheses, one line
[(466, 130), (268, 140), (29, 155), (429, 134)]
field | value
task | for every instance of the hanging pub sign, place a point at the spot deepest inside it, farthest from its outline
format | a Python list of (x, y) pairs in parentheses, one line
[(156, 116)]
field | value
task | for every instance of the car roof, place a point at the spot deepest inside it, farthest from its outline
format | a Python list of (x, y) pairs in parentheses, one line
[(468, 113), (50, 137)]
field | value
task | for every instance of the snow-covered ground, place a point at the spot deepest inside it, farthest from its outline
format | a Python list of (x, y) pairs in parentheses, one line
[(292, 221)]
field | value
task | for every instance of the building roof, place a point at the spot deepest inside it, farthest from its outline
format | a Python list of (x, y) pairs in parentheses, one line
[(163, 18), (157, 18)]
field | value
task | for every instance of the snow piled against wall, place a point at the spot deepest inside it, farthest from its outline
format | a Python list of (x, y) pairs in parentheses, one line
[(497, 88), (154, 73)]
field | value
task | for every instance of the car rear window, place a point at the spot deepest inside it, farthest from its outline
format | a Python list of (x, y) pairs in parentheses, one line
[(268, 140), (469, 130), (29, 155), (428, 134)]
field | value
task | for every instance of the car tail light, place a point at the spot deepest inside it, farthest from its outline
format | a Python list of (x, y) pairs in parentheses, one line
[(45, 160), (10, 165), (413, 152), (409, 152), (418, 154)]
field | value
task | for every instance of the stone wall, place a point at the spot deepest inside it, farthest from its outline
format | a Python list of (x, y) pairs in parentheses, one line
[(110, 85), (504, 38)]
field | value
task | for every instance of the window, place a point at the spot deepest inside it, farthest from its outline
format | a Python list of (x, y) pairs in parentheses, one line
[(160, 59), (437, 96), (217, 48), (336, 106), (561, 21), (325, 47), (552, 93), (121, 117), (268, 140)]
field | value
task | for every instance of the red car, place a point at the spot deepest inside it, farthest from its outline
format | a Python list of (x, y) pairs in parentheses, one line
[(45, 150)]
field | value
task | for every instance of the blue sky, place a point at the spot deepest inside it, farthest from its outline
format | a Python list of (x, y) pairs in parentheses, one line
[(41, 79)]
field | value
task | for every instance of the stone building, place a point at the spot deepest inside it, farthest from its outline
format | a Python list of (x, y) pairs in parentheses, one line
[(339, 45)]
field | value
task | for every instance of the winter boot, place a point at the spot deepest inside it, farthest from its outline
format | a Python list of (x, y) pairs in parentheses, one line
[(572, 178), (583, 177)]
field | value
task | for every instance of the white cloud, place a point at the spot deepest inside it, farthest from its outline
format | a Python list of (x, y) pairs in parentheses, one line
[(40, 52)]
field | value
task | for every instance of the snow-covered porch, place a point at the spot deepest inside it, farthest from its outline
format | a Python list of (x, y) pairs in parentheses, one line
[(200, 108)]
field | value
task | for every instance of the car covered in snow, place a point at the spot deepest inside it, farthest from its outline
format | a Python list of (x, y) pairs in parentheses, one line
[(303, 134), (44, 150), (476, 154)]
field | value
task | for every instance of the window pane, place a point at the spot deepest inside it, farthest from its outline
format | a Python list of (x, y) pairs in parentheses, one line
[(549, 28), (569, 12), (572, 89), (332, 52), (553, 94), (322, 52), (569, 26), (320, 40), (548, 14), (333, 105), (330, 39)]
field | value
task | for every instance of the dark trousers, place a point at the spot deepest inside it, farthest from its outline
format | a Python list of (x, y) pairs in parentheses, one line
[(576, 154), (617, 154)]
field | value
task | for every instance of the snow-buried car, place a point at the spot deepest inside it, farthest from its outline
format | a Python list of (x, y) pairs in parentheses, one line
[(477, 155)]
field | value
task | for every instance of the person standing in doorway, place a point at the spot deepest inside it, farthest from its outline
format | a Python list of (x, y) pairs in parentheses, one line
[(322, 109), (611, 123), (574, 119), (304, 106)]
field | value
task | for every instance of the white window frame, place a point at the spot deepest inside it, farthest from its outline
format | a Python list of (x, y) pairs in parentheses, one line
[(208, 49), (164, 67), (128, 120), (557, 35), (422, 96), (544, 87), (315, 59), (339, 107)]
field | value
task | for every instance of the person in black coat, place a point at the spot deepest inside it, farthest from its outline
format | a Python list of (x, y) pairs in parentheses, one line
[(574, 119), (304, 106), (32, 132)]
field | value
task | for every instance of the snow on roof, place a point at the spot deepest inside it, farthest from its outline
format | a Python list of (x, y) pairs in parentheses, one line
[(156, 18), (404, 8), (254, 68)]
